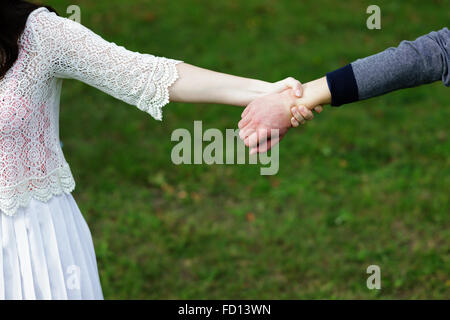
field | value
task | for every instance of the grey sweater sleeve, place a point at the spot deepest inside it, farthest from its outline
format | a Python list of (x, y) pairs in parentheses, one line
[(412, 63)]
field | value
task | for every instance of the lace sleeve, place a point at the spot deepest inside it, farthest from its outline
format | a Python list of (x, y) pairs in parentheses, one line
[(76, 52)]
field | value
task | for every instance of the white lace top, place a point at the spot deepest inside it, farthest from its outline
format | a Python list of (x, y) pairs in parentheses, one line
[(51, 48)]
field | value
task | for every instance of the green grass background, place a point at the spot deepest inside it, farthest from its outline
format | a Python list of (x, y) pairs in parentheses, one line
[(367, 183)]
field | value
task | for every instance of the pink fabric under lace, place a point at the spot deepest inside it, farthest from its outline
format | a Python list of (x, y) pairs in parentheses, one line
[(32, 164)]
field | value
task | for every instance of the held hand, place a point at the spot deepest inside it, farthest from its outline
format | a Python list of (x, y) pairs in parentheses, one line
[(271, 112), (250, 126), (276, 111), (301, 113)]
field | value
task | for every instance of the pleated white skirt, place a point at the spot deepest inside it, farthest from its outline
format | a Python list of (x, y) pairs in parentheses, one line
[(47, 253)]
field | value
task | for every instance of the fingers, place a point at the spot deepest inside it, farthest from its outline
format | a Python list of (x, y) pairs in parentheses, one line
[(294, 122), (295, 85), (252, 140), (244, 122), (265, 146), (245, 112), (301, 114), (318, 109), (244, 133), (297, 116), (305, 112), (257, 138), (291, 83)]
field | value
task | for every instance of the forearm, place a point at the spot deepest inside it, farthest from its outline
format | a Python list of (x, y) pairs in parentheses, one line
[(205, 86), (412, 63)]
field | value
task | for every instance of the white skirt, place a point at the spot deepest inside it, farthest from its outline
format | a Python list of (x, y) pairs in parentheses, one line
[(47, 253)]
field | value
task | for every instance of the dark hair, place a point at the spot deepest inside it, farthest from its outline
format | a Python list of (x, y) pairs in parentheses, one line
[(13, 17)]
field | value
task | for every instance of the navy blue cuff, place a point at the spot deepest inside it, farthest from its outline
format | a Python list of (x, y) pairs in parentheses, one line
[(342, 85)]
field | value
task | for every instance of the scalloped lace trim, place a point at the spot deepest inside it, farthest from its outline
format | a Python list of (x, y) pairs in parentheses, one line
[(156, 93), (42, 189)]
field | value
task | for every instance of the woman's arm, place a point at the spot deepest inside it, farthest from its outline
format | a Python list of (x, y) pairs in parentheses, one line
[(67, 49), (205, 86)]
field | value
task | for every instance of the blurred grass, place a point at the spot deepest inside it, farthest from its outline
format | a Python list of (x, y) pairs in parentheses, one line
[(363, 184)]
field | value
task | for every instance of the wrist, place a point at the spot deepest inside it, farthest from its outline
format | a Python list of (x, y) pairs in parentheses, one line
[(244, 92), (259, 88), (316, 93)]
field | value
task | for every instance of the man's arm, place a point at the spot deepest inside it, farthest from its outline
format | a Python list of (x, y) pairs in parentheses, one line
[(412, 63)]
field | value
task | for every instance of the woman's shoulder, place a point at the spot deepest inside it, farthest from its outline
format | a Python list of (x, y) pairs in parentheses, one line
[(40, 15), (43, 24), (48, 23), (38, 11), (28, 36)]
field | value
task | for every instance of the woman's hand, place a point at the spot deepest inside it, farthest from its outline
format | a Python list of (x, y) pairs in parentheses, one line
[(288, 83)]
